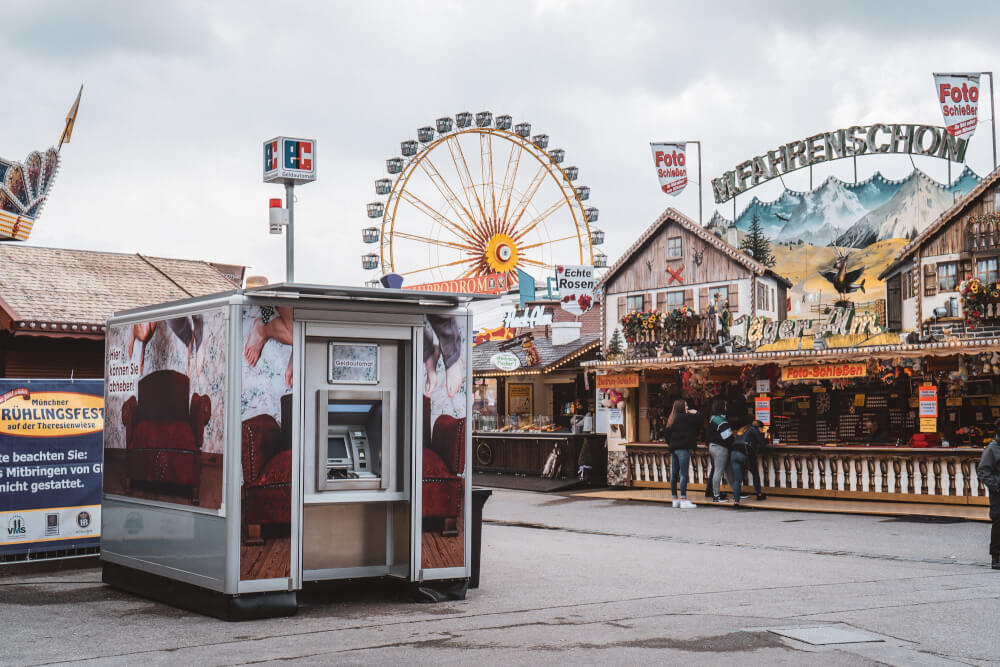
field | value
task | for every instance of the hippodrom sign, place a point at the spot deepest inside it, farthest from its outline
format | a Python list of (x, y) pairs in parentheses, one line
[(876, 139)]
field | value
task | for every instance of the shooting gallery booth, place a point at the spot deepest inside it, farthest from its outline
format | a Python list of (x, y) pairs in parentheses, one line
[(336, 418)]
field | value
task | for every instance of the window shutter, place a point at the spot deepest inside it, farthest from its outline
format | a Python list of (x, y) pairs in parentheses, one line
[(621, 307), (703, 300), (689, 298), (661, 302), (647, 301), (930, 279), (734, 297)]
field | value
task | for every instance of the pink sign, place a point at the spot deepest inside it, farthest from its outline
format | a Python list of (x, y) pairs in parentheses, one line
[(671, 166)]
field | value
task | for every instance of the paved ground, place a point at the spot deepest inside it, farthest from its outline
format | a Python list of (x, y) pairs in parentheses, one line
[(572, 580)]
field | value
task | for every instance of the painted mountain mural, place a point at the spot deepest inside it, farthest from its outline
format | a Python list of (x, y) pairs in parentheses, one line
[(868, 222)]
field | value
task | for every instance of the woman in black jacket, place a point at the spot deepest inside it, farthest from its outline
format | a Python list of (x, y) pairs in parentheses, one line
[(682, 435)]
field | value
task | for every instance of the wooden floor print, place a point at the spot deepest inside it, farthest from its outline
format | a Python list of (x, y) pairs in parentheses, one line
[(266, 561), (439, 551)]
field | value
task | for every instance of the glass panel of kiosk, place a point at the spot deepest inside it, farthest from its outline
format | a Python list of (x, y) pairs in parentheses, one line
[(354, 445)]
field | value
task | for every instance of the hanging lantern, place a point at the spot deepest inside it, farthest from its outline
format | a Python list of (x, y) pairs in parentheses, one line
[(369, 262), (409, 147), (571, 173), (394, 165), (383, 186), (582, 192), (370, 234), (523, 130), (557, 155), (591, 213), (484, 119), (463, 119), (504, 122), (596, 236), (600, 260), (443, 125), (541, 140), (425, 134)]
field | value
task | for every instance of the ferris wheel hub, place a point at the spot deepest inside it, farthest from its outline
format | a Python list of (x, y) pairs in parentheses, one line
[(501, 253)]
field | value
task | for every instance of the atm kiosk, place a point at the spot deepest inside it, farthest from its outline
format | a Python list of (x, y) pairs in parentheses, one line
[(263, 438)]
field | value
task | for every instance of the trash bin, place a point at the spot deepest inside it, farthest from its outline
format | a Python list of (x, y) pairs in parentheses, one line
[(479, 498)]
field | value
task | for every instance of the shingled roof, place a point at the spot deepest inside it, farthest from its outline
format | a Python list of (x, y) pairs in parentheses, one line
[(552, 356), (72, 292), (673, 215)]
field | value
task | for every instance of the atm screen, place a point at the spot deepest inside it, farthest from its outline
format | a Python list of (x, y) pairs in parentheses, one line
[(336, 448)]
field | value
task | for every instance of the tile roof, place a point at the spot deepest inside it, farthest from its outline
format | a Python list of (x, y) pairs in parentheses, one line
[(672, 214), (943, 219), (550, 354), (58, 285)]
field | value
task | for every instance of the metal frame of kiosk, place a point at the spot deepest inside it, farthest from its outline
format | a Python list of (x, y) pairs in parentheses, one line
[(356, 459)]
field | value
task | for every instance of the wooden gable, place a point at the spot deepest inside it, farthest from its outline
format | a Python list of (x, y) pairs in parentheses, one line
[(647, 268), (953, 237)]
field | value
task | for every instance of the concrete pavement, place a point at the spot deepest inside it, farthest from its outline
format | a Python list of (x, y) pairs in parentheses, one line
[(585, 581)]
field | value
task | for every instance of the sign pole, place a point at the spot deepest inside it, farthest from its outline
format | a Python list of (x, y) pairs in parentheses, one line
[(289, 233), (701, 220), (993, 117)]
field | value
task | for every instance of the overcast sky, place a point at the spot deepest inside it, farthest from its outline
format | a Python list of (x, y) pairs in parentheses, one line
[(179, 96)]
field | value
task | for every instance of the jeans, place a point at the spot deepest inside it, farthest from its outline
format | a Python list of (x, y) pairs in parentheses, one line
[(680, 461), (720, 462), (741, 462)]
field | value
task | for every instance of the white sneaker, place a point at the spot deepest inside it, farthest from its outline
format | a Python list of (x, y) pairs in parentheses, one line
[(686, 504), (677, 503)]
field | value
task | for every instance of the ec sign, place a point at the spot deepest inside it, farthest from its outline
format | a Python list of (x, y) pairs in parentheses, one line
[(289, 161)]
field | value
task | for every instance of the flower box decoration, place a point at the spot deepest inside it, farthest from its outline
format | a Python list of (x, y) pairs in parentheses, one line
[(980, 302)]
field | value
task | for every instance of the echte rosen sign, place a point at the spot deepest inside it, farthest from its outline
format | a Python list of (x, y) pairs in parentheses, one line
[(671, 166), (958, 95), (824, 372)]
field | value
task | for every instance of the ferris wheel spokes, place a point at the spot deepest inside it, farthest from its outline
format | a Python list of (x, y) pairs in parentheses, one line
[(432, 241), (538, 219), (526, 196), (431, 212), (486, 168), (457, 155), (442, 185), (510, 174)]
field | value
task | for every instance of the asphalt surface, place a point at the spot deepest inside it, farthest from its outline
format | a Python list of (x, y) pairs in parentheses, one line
[(583, 581)]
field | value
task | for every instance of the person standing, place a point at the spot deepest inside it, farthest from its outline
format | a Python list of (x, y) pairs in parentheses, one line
[(746, 444), (682, 435), (989, 475), (719, 437)]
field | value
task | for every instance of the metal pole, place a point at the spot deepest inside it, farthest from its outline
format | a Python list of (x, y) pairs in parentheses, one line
[(993, 118), (701, 220), (290, 234), (855, 168)]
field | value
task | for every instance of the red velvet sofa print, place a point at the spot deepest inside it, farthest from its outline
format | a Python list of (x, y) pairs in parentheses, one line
[(164, 434), (443, 465), (267, 471)]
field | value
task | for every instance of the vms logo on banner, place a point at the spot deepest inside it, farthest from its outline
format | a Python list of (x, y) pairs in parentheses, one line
[(671, 166), (958, 95), (576, 285)]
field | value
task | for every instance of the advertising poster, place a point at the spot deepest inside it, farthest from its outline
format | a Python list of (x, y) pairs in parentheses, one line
[(266, 445), (164, 435), (445, 388), (50, 465), (958, 95), (671, 166), (519, 399), (576, 285)]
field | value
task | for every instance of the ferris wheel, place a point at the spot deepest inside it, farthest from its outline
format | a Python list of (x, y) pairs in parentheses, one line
[(473, 196)]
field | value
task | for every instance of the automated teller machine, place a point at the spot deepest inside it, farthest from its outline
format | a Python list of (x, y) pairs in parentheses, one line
[(320, 434)]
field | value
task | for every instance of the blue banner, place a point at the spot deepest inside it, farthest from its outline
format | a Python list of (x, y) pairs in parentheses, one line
[(51, 460)]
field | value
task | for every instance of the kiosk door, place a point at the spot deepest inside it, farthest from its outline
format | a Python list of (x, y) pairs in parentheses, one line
[(356, 510)]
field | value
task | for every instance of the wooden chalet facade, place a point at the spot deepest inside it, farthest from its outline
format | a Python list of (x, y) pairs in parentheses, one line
[(677, 262), (54, 303), (923, 280)]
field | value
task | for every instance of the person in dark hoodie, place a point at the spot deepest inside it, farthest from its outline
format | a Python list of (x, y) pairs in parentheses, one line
[(747, 442), (682, 436), (719, 437), (989, 475)]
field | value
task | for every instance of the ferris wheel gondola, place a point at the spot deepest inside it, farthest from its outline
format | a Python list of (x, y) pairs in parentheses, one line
[(505, 203)]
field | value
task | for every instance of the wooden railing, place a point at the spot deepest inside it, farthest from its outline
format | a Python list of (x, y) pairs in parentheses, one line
[(912, 475)]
